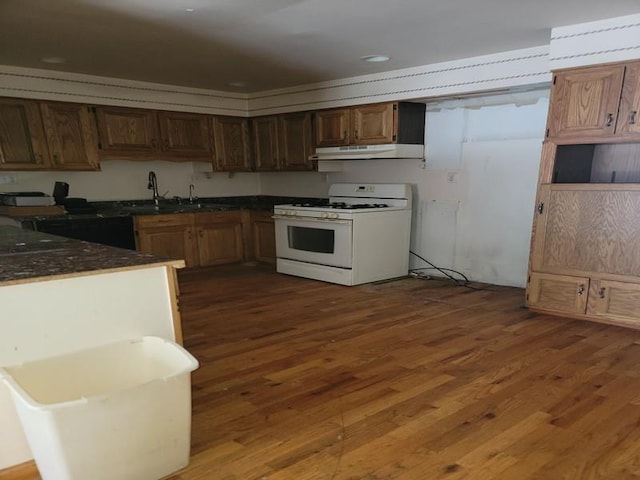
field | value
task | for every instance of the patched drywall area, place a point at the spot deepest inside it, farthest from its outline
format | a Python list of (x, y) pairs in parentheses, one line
[(474, 195)]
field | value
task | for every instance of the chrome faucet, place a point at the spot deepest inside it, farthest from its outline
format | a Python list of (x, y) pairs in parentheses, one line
[(191, 197), (153, 185)]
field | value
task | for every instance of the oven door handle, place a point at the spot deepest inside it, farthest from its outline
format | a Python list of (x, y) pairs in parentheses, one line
[(311, 219)]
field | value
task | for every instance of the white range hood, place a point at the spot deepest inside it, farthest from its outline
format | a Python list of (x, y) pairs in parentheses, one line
[(367, 152)]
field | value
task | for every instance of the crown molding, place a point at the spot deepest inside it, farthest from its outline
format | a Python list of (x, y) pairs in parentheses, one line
[(612, 40)]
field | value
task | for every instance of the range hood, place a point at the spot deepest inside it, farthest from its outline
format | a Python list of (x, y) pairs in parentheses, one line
[(367, 152)]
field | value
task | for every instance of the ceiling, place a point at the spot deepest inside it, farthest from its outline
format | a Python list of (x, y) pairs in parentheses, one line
[(267, 44)]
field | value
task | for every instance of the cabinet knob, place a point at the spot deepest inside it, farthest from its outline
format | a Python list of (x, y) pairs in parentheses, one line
[(609, 119), (632, 117), (355, 133), (540, 207), (602, 292), (580, 289), (55, 158)]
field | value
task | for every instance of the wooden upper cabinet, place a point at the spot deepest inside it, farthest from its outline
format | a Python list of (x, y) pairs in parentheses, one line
[(265, 143), (332, 127), (629, 114), (71, 136), (584, 102), (127, 130), (374, 124), (186, 133), (295, 142), (231, 136), (23, 145)]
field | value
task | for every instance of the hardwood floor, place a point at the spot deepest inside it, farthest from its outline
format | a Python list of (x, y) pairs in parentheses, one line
[(410, 379)]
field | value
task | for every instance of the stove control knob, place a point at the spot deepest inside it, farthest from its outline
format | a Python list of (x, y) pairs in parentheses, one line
[(324, 215), (334, 215)]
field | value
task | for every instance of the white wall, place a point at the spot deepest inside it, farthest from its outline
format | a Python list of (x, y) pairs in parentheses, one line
[(125, 180)]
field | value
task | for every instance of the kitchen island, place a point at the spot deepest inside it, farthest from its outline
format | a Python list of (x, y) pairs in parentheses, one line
[(59, 295)]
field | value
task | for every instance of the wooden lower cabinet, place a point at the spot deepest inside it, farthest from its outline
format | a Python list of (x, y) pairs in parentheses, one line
[(220, 238), (171, 236), (200, 239), (263, 236), (618, 301), (598, 299), (561, 293)]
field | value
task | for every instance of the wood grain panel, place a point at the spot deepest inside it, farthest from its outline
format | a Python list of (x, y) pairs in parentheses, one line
[(127, 130), (265, 143), (559, 293), (584, 101), (231, 136), (23, 144), (295, 141), (333, 127), (374, 124), (593, 231), (629, 114), (185, 133), (617, 300)]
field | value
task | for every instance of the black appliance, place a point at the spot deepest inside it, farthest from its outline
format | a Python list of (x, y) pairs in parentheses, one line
[(113, 231)]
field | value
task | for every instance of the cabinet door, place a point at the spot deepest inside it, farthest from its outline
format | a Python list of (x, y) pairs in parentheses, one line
[(127, 130), (588, 228), (170, 236), (70, 136), (232, 144), (615, 300), (628, 118), (220, 238), (23, 145), (185, 133), (264, 237), (558, 293), (332, 127), (585, 102), (374, 124), (265, 143), (295, 141)]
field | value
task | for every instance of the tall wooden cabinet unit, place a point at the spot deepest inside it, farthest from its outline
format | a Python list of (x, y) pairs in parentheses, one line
[(585, 250), (375, 124)]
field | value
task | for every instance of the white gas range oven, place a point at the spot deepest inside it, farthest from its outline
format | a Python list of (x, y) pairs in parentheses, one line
[(361, 236)]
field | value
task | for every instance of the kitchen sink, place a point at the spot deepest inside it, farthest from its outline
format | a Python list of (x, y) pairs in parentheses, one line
[(173, 208)]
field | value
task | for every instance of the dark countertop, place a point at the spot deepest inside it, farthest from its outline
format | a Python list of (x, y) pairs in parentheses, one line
[(27, 256), (125, 208)]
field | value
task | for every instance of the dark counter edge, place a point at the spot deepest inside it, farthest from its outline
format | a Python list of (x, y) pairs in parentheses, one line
[(27, 256)]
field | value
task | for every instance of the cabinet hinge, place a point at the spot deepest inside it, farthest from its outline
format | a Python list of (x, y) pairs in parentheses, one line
[(99, 146), (93, 109), (554, 79), (395, 106), (529, 279), (546, 134), (395, 137)]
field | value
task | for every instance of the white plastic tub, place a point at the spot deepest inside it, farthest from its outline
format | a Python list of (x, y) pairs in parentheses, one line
[(119, 411)]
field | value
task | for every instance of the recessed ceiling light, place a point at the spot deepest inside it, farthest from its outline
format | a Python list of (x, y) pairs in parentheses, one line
[(189, 9), (53, 60), (375, 58), (238, 84)]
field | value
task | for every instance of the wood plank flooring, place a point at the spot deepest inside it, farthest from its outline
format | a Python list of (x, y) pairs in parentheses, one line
[(404, 380)]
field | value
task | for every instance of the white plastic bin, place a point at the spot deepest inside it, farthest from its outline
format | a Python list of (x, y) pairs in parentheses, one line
[(119, 411)]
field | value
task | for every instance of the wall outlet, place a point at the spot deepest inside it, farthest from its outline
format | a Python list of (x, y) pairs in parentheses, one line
[(5, 179), (452, 177)]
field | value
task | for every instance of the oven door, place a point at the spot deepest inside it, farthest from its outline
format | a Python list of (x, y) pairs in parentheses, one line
[(314, 240)]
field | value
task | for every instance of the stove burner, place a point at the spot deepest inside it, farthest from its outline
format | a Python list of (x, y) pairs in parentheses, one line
[(353, 206), (309, 203)]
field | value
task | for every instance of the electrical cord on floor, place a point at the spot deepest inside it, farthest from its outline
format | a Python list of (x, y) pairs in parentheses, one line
[(462, 282)]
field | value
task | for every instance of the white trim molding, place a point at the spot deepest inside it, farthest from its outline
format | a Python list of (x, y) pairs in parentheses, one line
[(499, 71), (73, 87), (604, 41)]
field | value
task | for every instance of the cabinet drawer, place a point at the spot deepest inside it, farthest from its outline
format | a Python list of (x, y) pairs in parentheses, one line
[(560, 293), (618, 301), (174, 219), (218, 217)]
